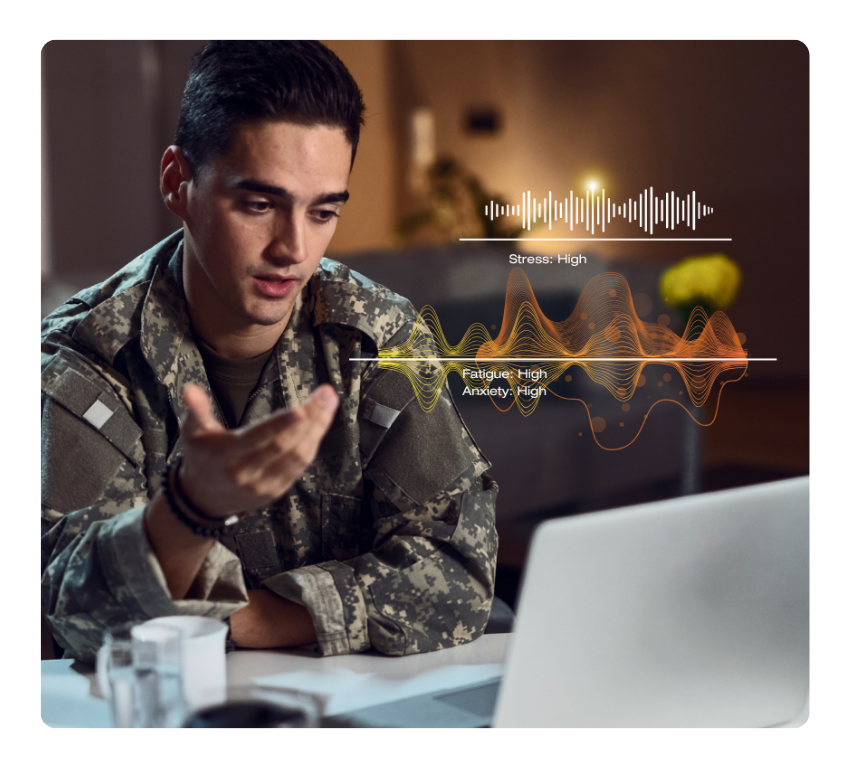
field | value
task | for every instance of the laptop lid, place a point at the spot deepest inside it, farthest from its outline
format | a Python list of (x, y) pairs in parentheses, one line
[(687, 612)]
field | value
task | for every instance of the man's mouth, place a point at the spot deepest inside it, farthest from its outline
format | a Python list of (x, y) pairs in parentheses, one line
[(275, 286), (276, 277)]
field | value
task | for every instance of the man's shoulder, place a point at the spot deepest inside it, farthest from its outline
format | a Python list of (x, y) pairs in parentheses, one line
[(105, 316), (346, 297)]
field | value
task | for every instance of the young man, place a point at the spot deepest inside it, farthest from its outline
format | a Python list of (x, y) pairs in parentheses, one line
[(210, 447)]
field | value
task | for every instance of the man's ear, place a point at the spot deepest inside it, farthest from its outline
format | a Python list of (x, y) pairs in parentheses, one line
[(175, 174)]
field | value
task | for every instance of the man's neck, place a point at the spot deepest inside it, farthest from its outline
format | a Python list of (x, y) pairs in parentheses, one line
[(226, 336), (235, 346)]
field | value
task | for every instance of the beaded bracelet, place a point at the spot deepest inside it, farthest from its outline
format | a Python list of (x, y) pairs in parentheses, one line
[(201, 530)]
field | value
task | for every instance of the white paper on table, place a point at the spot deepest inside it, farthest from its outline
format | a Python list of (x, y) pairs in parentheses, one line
[(346, 690)]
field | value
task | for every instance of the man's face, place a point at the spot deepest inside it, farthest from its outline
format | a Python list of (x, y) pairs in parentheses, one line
[(259, 220)]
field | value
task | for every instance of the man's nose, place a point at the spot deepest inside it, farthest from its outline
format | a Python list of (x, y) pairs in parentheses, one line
[(289, 242)]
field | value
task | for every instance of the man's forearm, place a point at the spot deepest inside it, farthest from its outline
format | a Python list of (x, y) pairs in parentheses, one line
[(271, 621), (179, 551), (268, 621)]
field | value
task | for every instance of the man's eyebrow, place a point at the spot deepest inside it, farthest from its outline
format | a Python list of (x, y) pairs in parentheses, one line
[(267, 189), (333, 197)]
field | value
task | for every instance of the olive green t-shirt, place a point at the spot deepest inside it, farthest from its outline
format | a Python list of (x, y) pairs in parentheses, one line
[(232, 380)]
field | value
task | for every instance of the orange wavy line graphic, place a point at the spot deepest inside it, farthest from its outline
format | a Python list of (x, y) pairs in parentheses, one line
[(603, 336)]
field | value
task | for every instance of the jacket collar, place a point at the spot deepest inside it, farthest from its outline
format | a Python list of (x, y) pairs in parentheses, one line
[(166, 339), (345, 297)]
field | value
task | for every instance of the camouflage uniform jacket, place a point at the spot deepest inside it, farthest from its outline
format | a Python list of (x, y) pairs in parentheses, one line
[(388, 539)]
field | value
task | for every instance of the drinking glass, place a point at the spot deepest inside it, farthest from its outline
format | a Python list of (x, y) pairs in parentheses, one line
[(157, 666), (117, 677)]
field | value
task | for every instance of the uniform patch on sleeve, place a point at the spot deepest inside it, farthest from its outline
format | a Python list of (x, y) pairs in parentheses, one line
[(98, 414), (423, 452), (379, 414), (381, 405), (98, 407), (77, 464)]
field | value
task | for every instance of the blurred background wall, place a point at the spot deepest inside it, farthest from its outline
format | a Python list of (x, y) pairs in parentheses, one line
[(727, 119)]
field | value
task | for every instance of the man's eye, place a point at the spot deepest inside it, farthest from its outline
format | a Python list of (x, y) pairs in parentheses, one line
[(258, 206), (324, 217)]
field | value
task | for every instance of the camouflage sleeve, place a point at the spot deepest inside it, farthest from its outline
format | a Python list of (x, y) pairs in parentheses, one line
[(427, 582), (98, 569)]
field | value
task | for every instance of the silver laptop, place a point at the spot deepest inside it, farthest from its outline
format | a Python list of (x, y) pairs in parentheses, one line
[(689, 612)]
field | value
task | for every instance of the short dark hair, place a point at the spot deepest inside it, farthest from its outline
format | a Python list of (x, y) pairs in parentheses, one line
[(235, 82)]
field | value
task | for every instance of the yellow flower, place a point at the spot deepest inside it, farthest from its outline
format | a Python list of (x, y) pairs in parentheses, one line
[(711, 281)]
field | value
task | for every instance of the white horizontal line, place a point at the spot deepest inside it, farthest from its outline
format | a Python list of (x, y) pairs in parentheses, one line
[(594, 239), (570, 359)]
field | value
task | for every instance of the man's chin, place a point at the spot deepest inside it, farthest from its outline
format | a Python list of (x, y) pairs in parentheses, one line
[(266, 319), (269, 316)]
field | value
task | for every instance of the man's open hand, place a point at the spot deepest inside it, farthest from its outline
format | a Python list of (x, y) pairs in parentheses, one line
[(233, 470)]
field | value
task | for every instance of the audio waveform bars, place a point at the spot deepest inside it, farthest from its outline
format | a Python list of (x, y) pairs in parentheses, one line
[(594, 210), (603, 336)]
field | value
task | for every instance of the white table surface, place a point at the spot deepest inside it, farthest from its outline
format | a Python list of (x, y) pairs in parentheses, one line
[(70, 697)]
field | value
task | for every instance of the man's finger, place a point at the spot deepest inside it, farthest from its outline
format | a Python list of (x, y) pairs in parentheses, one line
[(279, 436), (322, 404), (199, 416), (285, 467), (318, 415), (320, 407), (288, 467)]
